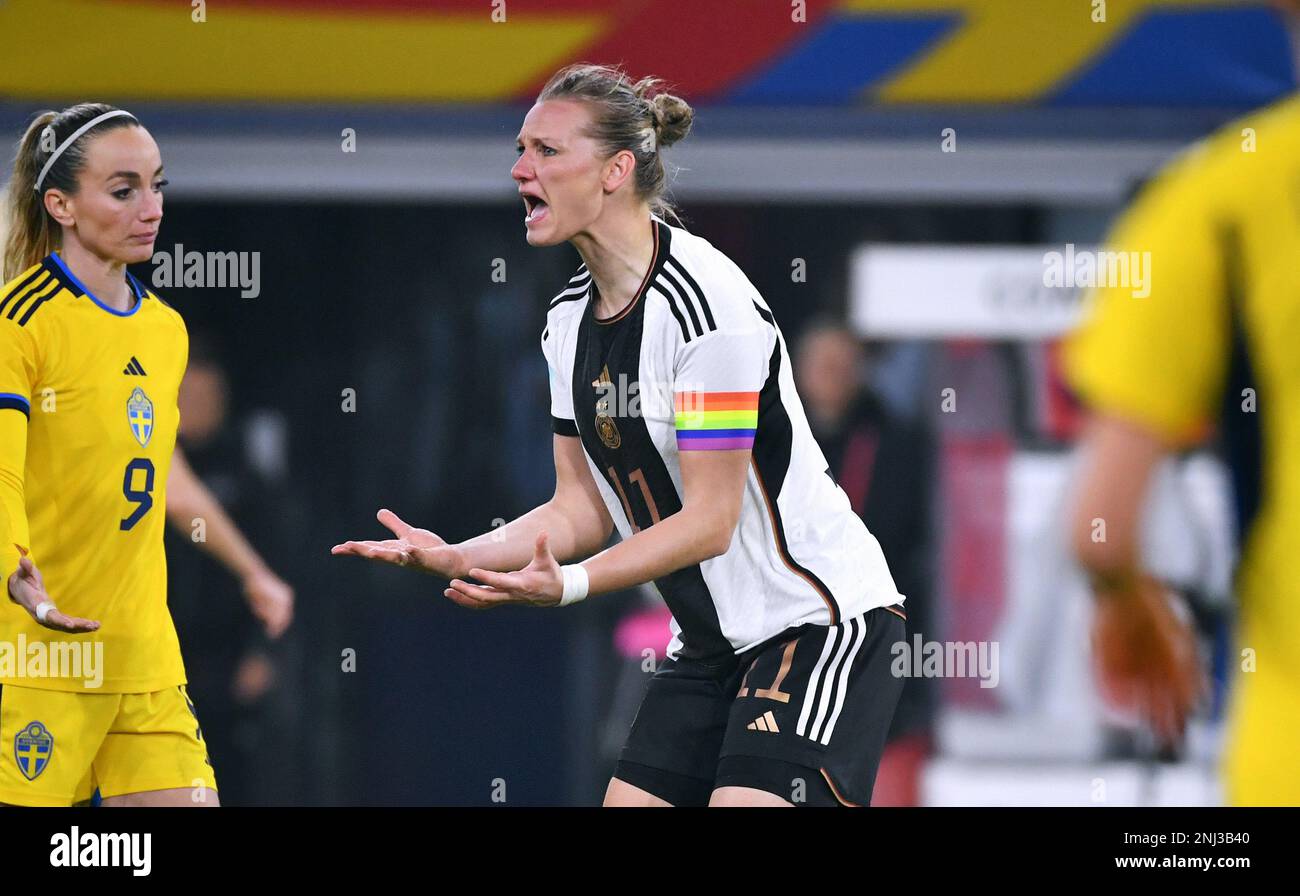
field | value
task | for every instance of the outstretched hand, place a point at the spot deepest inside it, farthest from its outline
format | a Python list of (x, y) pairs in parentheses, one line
[(416, 548), (539, 584), (27, 589)]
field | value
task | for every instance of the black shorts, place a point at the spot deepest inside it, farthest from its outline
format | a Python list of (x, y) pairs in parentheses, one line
[(803, 716)]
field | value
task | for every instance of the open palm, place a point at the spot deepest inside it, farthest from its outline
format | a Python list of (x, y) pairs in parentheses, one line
[(418, 548), (539, 584), (27, 589)]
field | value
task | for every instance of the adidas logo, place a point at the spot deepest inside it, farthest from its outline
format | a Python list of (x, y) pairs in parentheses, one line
[(134, 368), (765, 722)]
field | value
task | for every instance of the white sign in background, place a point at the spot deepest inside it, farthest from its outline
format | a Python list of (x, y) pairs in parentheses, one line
[(954, 292)]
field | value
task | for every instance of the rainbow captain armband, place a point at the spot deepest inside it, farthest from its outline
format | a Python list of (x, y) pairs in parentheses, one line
[(716, 421)]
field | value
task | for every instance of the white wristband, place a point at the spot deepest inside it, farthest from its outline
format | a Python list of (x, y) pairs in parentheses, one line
[(43, 610), (576, 583)]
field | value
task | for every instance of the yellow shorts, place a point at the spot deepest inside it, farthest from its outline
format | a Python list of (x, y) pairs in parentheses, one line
[(57, 747)]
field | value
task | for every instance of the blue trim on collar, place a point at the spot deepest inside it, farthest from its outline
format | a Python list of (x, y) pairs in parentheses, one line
[(72, 278), (136, 287)]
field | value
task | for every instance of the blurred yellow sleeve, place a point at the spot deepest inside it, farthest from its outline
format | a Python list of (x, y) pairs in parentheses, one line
[(1156, 353), (13, 510), (17, 381)]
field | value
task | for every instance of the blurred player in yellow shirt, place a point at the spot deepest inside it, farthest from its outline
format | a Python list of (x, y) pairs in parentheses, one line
[(1212, 347), (92, 687)]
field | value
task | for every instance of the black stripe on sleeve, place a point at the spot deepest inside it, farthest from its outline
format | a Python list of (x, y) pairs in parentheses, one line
[(578, 287), (22, 286), (672, 306), (704, 303), (562, 427), (1243, 438), (686, 300), (16, 299), (22, 322), (563, 298), (19, 303), (17, 402)]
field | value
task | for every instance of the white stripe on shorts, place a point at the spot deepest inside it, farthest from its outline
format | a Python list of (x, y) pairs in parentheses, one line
[(830, 674), (860, 630), (802, 728)]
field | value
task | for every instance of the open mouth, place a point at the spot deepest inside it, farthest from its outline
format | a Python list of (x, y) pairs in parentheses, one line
[(535, 207)]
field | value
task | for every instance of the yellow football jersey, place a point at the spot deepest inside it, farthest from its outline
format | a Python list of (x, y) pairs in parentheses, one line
[(1214, 342), (96, 389)]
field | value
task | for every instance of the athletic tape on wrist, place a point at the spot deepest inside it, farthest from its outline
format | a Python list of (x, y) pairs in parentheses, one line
[(576, 583)]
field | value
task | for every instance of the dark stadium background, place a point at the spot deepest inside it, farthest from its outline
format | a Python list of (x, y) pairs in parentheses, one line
[(451, 430)]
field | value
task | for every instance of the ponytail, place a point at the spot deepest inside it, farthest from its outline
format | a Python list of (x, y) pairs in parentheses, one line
[(30, 234)]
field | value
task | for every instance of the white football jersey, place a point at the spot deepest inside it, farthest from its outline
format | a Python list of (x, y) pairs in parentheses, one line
[(696, 362)]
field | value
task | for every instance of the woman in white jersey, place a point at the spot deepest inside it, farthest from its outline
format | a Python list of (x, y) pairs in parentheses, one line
[(676, 421)]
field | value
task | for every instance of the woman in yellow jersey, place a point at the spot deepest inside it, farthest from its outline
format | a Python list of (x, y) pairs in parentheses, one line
[(92, 686), (1210, 347)]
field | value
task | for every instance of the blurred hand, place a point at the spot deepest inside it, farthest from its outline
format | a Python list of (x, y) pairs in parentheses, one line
[(253, 678), (416, 548), (539, 584), (1144, 648), (271, 600), (27, 589)]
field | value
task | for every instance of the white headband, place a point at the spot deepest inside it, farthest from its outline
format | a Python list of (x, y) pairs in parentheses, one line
[(54, 157)]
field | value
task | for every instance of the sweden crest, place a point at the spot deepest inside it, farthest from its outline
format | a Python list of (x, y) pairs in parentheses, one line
[(33, 747), (139, 414)]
